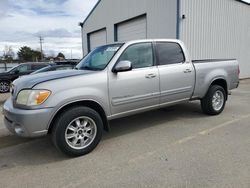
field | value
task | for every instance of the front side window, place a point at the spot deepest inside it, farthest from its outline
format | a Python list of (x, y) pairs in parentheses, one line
[(169, 53), (23, 68), (140, 55), (99, 58)]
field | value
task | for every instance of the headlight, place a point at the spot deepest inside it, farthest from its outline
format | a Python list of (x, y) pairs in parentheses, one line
[(32, 97)]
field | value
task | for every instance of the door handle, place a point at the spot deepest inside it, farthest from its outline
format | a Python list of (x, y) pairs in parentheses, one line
[(150, 76), (187, 71)]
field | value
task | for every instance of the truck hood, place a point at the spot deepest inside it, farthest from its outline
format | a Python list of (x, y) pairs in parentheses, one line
[(29, 81)]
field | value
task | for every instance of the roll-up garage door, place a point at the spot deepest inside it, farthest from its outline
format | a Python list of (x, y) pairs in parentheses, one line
[(132, 30), (96, 39)]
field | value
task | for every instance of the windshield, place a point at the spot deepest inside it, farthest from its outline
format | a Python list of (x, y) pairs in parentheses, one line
[(99, 58), (12, 68)]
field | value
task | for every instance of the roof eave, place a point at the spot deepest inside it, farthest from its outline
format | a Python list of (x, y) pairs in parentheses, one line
[(91, 12)]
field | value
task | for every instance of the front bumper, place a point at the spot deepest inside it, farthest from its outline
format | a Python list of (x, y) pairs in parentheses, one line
[(26, 123)]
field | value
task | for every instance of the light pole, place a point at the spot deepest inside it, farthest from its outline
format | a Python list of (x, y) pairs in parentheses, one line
[(81, 25), (41, 46)]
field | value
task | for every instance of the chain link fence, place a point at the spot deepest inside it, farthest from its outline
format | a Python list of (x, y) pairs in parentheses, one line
[(7, 66)]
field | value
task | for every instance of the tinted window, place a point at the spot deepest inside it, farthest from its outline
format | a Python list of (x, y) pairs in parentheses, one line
[(23, 68), (63, 68), (140, 55), (169, 53), (36, 67)]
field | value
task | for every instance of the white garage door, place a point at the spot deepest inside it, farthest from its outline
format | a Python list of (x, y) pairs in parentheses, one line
[(132, 30), (97, 38)]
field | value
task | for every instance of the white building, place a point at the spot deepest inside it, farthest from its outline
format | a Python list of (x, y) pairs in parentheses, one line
[(211, 29)]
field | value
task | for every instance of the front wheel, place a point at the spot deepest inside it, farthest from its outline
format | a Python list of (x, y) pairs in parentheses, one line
[(77, 131), (214, 101), (4, 86)]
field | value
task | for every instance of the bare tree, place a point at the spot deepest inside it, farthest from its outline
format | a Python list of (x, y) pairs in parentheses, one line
[(8, 53)]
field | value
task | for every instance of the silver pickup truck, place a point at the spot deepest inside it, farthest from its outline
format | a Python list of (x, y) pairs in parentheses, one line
[(114, 81)]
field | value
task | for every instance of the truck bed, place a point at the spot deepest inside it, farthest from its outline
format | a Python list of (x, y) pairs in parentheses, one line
[(207, 70)]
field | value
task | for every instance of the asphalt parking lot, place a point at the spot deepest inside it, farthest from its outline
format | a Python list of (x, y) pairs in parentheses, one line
[(172, 147)]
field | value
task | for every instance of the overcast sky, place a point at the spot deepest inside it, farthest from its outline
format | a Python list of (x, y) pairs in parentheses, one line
[(22, 21)]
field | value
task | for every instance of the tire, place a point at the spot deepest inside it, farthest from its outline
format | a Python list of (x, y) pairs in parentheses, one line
[(4, 86), (74, 127), (214, 101)]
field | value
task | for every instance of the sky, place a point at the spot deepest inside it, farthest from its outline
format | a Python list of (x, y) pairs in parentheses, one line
[(23, 21), (248, 1)]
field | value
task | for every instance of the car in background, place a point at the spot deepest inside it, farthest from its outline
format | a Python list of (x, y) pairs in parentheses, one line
[(22, 69), (68, 62), (54, 68)]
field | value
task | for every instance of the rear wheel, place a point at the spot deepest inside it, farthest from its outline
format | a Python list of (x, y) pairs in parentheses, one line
[(77, 131), (214, 101), (4, 86)]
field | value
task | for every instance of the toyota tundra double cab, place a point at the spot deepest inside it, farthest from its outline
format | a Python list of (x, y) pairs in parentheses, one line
[(114, 81)]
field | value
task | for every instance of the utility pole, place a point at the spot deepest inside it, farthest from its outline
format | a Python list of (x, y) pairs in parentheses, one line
[(41, 46)]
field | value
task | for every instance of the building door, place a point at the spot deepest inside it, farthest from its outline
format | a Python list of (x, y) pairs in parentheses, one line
[(133, 29), (96, 39)]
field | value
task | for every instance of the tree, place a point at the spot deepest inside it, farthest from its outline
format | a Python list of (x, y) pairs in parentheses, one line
[(60, 56), (8, 54), (25, 53)]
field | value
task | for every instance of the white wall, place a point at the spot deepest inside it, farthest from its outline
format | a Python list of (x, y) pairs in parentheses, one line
[(212, 28), (161, 17)]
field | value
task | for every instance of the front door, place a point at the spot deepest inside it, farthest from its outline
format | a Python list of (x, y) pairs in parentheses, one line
[(137, 89)]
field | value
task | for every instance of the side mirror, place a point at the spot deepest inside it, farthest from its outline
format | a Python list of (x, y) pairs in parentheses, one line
[(123, 66), (16, 71)]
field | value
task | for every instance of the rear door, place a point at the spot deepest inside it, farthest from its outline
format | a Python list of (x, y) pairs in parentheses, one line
[(137, 89), (177, 76)]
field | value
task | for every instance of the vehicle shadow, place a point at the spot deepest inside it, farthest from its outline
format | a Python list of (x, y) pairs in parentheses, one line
[(24, 152), (153, 118)]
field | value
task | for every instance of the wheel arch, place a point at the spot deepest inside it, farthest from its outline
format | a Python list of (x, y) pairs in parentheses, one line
[(87, 103), (5, 80), (221, 82)]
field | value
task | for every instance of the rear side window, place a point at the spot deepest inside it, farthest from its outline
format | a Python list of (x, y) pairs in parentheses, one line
[(140, 55), (169, 53), (39, 66)]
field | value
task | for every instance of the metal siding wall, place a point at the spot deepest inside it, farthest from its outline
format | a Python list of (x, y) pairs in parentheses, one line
[(161, 17), (217, 29)]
